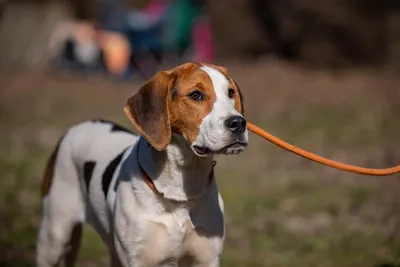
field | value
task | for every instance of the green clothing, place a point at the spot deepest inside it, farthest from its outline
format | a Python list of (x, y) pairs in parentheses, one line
[(180, 17)]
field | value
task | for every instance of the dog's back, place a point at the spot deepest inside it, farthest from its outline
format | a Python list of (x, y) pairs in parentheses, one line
[(75, 185)]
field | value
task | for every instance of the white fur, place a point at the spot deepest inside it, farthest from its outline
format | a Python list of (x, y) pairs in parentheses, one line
[(213, 133), (184, 227), (139, 227)]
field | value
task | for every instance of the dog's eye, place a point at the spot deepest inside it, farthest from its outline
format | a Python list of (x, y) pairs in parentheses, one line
[(231, 93), (196, 95)]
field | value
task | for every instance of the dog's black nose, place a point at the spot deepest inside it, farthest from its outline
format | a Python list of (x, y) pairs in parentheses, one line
[(236, 124)]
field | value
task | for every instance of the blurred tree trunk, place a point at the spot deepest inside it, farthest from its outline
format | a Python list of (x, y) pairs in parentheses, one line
[(393, 38), (235, 31), (328, 33)]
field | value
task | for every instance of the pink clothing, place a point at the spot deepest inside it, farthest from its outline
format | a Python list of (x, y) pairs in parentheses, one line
[(202, 40), (156, 7)]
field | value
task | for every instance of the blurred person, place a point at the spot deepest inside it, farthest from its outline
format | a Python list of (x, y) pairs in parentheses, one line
[(188, 32), (86, 47), (163, 31), (144, 29), (72, 46), (202, 40), (116, 52), (178, 31)]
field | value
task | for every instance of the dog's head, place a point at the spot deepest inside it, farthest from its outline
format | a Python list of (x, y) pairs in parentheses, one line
[(200, 102)]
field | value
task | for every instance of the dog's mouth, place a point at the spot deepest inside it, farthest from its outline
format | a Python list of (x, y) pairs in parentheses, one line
[(233, 148)]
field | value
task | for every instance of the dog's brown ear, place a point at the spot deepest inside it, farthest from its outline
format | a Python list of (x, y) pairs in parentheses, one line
[(148, 110), (240, 98)]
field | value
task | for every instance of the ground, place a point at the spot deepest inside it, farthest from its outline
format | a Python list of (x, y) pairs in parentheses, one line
[(281, 210)]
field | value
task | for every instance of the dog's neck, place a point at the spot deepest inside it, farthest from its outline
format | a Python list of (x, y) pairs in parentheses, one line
[(176, 172)]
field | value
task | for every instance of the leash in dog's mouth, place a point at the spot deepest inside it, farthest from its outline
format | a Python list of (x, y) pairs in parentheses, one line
[(311, 156)]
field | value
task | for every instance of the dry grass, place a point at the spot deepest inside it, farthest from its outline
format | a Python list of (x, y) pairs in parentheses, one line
[(281, 210)]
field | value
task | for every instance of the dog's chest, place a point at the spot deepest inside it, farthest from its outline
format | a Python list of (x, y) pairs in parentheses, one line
[(175, 236), (175, 225)]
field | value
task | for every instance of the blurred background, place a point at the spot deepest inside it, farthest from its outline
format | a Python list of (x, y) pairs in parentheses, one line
[(322, 74)]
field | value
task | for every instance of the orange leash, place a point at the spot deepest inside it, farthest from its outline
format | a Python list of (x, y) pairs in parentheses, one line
[(331, 163)]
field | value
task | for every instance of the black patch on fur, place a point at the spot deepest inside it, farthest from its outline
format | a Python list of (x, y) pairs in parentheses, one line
[(119, 128), (114, 126), (101, 120), (88, 168), (109, 173)]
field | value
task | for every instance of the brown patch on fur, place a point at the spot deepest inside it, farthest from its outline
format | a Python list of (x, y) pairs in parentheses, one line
[(162, 105), (74, 244), (187, 114), (49, 171), (148, 109), (239, 101)]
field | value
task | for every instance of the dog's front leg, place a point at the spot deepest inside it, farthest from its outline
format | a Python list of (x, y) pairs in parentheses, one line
[(127, 229), (126, 252)]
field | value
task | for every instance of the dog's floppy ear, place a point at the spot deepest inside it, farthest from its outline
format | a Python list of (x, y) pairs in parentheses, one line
[(240, 98), (148, 110)]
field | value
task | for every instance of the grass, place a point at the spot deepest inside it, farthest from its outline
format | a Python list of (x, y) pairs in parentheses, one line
[(281, 210)]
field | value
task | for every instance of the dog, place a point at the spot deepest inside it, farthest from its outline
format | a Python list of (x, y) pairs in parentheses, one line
[(152, 198)]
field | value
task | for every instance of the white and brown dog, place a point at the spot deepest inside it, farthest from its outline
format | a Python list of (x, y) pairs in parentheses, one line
[(153, 199)]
